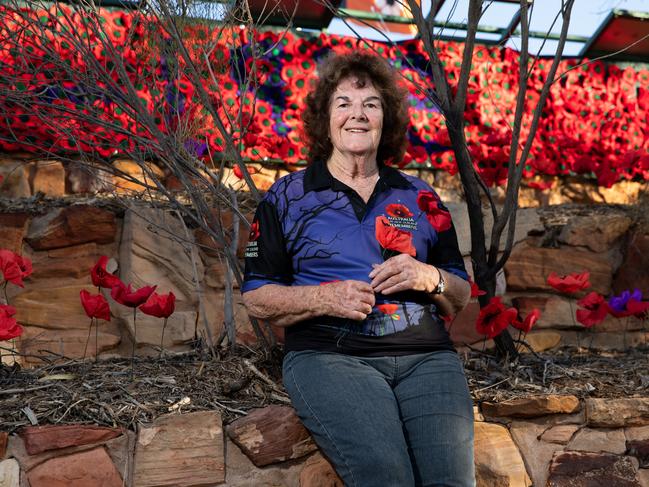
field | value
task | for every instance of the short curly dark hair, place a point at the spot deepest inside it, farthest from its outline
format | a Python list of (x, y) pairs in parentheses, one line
[(366, 67)]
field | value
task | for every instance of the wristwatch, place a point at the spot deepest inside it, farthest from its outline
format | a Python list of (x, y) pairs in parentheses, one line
[(441, 285)]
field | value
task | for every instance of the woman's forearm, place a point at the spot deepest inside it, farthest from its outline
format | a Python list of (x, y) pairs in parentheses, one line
[(285, 305), (455, 297)]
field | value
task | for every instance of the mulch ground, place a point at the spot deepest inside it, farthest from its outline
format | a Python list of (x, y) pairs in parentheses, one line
[(110, 393)]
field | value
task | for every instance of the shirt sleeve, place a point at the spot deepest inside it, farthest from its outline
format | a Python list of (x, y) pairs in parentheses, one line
[(266, 259), (445, 253)]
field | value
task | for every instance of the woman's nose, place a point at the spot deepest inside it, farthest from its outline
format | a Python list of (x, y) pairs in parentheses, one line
[(359, 113)]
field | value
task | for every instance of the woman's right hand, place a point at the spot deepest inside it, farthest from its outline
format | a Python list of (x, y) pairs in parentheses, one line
[(347, 299)]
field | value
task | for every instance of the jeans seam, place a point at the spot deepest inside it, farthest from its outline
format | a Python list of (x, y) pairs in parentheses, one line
[(324, 429)]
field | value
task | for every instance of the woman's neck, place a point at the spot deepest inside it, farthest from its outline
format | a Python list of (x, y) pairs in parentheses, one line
[(359, 169), (359, 174)]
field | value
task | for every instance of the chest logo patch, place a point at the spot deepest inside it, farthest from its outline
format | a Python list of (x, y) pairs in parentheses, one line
[(400, 216)]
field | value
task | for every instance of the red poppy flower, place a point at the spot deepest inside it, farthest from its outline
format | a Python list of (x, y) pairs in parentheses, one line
[(475, 290), (254, 231), (9, 327), (391, 238), (398, 210), (596, 309), (125, 295), (159, 305), (388, 308), (438, 217), (101, 277), (239, 173), (571, 283), (95, 305), (638, 309), (494, 318), (13, 267), (526, 325)]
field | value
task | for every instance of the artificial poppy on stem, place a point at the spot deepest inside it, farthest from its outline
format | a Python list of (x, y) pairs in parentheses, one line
[(475, 290), (160, 306), (628, 303), (9, 327), (571, 283), (393, 241), (437, 216), (595, 309), (101, 277), (526, 325), (14, 268), (494, 318), (96, 307), (125, 295)]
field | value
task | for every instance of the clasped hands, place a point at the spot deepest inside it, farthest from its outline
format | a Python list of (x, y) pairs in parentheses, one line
[(354, 299)]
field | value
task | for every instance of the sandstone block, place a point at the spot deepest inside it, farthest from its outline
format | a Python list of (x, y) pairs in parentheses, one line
[(318, 472), (153, 252), (63, 227), (633, 271), (270, 435), (85, 178), (181, 451), (68, 343), (214, 248), (9, 473), (594, 339), (241, 472), (560, 434), (617, 413), (15, 182), (532, 406), (599, 440), (179, 330), (38, 439), (46, 266), (640, 450), (529, 267), (579, 469), (527, 220), (598, 232), (4, 437), (130, 177), (48, 178), (537, 454), (121, 450), (498, 461), (92, 468), (215, 316), (541, 341), (13, 227), (55, 306)]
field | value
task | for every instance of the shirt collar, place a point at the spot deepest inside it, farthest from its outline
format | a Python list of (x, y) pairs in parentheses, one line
[(317, 177)]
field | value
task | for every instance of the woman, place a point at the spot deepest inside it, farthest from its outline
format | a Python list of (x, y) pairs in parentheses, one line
[(358, 261)]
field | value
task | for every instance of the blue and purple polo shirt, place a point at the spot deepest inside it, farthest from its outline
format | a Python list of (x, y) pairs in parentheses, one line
[(311, 229)]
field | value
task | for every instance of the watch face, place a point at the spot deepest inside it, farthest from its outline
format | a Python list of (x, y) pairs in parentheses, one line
[(441, 286)]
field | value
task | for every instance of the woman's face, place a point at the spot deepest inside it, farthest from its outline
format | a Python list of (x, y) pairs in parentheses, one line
[(355, 118)]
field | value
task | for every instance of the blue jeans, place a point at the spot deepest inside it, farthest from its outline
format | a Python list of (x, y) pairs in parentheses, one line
[(387, 421)]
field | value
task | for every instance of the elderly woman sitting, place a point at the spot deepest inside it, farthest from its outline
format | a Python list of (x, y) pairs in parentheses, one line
[(359, 262)]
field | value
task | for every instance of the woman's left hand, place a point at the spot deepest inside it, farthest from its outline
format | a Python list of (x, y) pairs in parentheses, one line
[(403, 273)]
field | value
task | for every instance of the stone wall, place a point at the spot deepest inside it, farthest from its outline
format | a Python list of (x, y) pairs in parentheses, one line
[(50, 214), (552, 441)]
